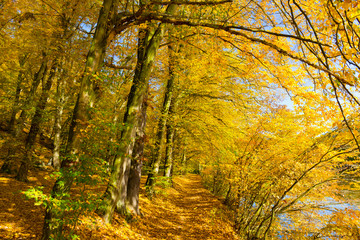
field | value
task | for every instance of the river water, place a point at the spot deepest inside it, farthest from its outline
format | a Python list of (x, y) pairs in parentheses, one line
[(325, 222)]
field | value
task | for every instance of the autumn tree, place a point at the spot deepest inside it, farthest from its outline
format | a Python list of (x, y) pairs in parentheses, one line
[(164, 127), (82, 111)]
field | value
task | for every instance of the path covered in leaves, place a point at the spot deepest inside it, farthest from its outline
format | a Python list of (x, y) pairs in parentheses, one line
[(186, 211)]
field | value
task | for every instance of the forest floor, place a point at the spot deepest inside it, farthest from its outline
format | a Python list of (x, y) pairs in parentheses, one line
[(185, 211)]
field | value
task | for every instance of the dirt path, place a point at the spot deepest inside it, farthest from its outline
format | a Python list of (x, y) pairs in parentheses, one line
[(188, 211)]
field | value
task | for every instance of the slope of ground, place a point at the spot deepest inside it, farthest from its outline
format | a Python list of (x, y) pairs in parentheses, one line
[(186, 211)]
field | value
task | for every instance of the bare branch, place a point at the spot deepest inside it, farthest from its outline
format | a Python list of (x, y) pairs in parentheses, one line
[(111, 65), (191, 3)]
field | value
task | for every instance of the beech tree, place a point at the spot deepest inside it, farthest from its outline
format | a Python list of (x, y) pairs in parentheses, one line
[(82, 111), (164, 128)]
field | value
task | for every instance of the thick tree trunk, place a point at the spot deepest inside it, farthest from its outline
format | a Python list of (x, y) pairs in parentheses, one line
[(82, 113), (148, 44), (133, 186), (117, 188), (35, 127)]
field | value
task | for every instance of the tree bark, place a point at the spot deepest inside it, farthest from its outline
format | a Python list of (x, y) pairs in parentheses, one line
[(183, 162), (15, 108), (133, 186), (170, 132), (35, 127), (60, 98)]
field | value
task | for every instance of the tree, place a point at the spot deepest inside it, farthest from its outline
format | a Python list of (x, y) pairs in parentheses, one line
[(163, 125), (81, 115), (149, 41)]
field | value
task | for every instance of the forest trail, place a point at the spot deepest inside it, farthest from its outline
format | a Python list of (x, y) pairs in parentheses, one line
[(186, 211)]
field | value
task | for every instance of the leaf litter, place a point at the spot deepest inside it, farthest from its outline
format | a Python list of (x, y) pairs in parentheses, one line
[(185, 211)]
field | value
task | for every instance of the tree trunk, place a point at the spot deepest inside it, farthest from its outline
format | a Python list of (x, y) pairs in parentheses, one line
[(117, 188), (162, 124), (17, 129), (82, 113), (15, 108), (148, 44), (133, 186), (170, 128), (35, 127), (227, 198), (183, 162), (60, 98), (170, 132)]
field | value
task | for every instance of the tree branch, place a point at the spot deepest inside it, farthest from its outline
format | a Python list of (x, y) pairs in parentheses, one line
[(111, 65), (191, 3)]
